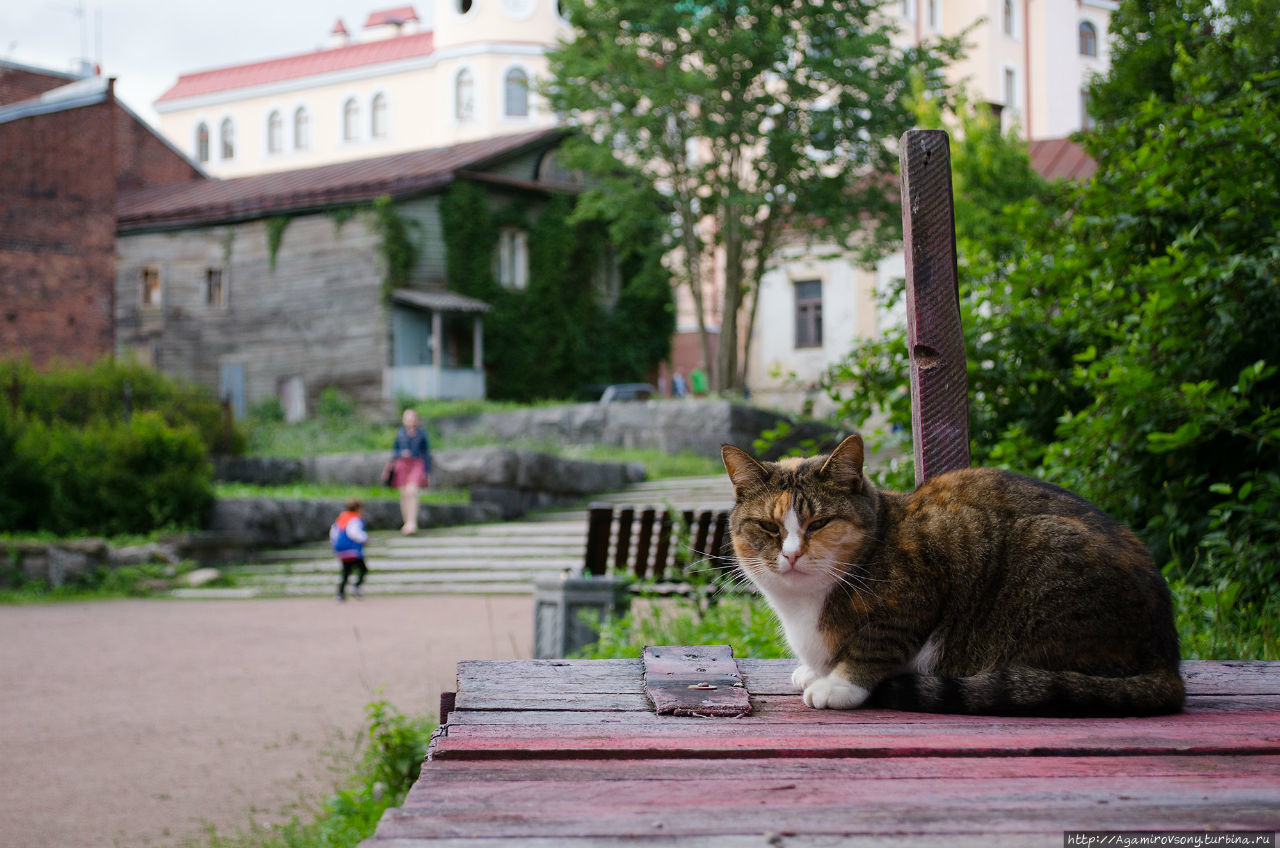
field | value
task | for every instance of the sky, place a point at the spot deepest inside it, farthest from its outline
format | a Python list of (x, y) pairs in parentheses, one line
[(146, 44)]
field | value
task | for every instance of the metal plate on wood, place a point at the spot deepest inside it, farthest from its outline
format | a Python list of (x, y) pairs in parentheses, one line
[(695, 681), (939, 383)]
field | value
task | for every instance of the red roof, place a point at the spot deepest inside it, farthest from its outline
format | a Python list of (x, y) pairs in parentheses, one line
[(302, 65), (1061, 159), (399, 175), (397, 15)]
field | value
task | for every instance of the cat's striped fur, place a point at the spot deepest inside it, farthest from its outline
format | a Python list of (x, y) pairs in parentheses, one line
[(980, 592)]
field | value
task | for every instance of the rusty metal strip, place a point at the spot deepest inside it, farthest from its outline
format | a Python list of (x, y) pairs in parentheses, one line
[(939, 383), (695, 681)]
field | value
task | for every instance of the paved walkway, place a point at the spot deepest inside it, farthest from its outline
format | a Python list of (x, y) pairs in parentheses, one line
[(486, 558), (134, 723)]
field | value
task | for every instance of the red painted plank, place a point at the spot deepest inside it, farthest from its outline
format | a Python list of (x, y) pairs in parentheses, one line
[(850, 804), (694, 681), (875, 733)]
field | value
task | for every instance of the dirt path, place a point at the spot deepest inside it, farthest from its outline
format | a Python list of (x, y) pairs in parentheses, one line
[(132, 723)]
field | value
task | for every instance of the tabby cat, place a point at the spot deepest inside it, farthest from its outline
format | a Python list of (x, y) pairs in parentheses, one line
[(982, 592)]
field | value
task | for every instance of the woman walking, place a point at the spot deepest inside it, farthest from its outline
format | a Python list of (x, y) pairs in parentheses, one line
[(410, 468)]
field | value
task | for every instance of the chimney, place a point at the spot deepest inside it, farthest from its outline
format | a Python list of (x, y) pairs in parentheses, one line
[(338, 36)]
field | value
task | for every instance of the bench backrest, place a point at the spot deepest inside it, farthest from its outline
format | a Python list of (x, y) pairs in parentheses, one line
[(652, 544)]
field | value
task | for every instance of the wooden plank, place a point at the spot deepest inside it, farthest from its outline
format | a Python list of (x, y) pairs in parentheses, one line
[(835, 769), (760, 801), (694, 681), (1203, 677), (935, 337), (654, 839), (874, 733)]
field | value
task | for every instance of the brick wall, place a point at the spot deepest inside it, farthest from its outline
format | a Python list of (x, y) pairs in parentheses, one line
[(57, 235), (18, 83), (59, 177)]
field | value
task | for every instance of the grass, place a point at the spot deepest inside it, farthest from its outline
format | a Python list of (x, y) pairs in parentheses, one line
[(337, 491), (131, 581), (394, 748)]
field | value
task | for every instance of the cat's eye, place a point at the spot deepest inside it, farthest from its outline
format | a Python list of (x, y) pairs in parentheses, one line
[(768, 527), (817, 524)]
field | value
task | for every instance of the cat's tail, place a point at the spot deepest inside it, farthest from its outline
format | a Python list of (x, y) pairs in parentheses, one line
[(1033, 691)]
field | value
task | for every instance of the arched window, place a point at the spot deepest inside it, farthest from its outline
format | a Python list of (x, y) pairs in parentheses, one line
[(1088, 39), (227, 137), (275, 132), (301, 129), (378, 124), (465, 96), (202, 142), (1008, 17), (516, 93), (350, 120)]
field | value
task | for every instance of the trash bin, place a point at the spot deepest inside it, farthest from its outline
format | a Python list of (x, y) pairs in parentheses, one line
[(567, 611)]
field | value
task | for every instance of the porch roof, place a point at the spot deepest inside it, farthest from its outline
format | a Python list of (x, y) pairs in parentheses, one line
[(438, 301)]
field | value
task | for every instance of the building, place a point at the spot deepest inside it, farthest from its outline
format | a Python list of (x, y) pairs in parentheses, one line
[(278, 286), (1031, 62), (68, 151), (458, 72)]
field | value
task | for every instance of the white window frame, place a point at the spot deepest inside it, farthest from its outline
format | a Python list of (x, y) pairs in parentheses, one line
[(302, 141), (150, 296), (464, 110), (506, 92), (349, 120), (512, 259), (379, 116), (226, 139), (1012, 30), (275, 132), (208, 142)]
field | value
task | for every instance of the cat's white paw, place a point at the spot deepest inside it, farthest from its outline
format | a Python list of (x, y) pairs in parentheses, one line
[(803, 676), (834, 693)]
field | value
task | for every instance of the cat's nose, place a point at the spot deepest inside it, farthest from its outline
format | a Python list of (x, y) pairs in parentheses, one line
[(792, 557)]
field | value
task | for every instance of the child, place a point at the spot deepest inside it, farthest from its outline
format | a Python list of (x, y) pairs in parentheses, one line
[(348, 537)]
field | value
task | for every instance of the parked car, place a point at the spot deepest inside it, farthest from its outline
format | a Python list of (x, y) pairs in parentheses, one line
[(627, 391)]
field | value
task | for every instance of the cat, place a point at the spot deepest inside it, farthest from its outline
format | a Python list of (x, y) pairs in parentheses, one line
[(981, 592)]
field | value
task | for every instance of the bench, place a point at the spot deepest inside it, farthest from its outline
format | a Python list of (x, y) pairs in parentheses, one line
[(657, 549)]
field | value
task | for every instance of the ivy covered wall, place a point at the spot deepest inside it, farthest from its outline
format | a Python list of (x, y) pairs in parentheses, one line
[(561, 332)]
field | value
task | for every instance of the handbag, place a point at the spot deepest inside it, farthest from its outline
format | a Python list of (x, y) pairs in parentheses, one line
[(388, 474)]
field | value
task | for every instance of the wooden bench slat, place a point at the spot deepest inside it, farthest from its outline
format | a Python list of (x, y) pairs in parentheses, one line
[(839, 797), (701, 681)]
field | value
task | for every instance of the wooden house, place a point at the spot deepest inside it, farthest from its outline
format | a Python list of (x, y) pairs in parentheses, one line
[(286, 284)]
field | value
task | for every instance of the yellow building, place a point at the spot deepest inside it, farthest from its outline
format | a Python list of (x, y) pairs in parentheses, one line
[(459, 72)]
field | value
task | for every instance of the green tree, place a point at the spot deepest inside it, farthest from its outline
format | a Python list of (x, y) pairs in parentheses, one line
[(1127, 348), (750, 116)]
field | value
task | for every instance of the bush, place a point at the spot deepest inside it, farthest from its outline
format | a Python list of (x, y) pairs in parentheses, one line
[(743, 621), (110, 478)]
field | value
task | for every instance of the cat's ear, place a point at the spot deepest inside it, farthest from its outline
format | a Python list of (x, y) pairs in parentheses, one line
[(744, 470), (845, 463)]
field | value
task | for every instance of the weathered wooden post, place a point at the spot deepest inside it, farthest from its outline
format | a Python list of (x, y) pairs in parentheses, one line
[(939, 383)]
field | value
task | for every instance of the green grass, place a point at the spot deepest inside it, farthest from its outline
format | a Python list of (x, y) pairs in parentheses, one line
[(130, 581), (394, 747)]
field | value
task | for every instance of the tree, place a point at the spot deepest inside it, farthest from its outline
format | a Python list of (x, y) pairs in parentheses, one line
[(750, 116), (1127, 349)]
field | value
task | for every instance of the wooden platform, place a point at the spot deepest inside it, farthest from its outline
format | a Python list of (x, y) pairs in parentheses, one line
[(561, 752)]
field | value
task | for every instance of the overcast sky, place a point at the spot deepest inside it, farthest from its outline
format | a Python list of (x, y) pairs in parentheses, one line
[(146, 44)]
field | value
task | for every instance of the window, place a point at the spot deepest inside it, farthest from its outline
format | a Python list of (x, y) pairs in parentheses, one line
[(202, 142), (275, 132), (350, 120), (1009, 28), (517, 93), (1088, 39), (464, 6), (301, 129), (809, 313), (150, 293), (935, 15), (227, 137), (214, 294), (513, 258), (465, 96), (1086, 120), (908, 9), (378, 125), (1010, 89)]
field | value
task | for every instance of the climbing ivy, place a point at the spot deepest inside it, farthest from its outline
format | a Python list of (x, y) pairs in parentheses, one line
[(399, 253), (276, 225), (558, 334)]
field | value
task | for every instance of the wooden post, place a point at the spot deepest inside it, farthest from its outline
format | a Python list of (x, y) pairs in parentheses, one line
[(643, 542), (939, 383), (599, 525), (622, 551)]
